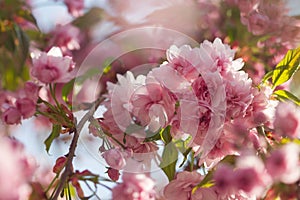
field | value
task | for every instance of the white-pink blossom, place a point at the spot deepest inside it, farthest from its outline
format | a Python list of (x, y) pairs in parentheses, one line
[(52, 67), (66, 37), (119, 105), (250, 175), (218, 56), (224, 178), (238, 94), (283, 164), (152, 104), (181, 187), (115, 158), (287, 120), (134, 187)]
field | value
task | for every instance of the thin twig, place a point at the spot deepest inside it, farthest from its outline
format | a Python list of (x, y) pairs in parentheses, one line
[(71, 154)]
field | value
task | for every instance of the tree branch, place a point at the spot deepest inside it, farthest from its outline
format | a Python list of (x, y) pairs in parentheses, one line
[(68, 167)]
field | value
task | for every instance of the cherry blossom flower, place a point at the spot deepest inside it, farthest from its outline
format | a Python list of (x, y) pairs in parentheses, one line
[(257, 22), (184, 60), (119, 105), (206, 193), (181, 187), (283, 164), (153, 105), (20, 104), (31, 90), (252, 179), (134, 187), (114, 158), (66, 37), (52, 67), (287, 120), (238, 94), (262, 108), (26, 107), (16, 170), (11, 115), (224, 178)]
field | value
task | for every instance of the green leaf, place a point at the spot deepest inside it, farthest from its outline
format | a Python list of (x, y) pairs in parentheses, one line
[(165, 135), (169, 159), (26, 14), (67, 88), (286, 95), (286, 68), (152, 136), (54, 134), (92, 17), (182, 146), (22, 46), (230, 159), (267, 76)]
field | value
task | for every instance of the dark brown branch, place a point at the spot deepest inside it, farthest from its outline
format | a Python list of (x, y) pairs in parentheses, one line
[(68, 167)]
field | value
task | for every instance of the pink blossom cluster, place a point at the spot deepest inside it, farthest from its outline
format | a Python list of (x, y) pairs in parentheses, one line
[(282, 165), (183, 186), (16, 170), (19, 105), (192, 89), (246, 181), (203, 93)]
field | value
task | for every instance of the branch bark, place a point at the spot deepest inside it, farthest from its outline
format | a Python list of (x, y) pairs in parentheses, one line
[(68, 167)]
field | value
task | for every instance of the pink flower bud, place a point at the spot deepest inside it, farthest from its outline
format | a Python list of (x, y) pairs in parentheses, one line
[(59, 164), (113, 174), (11, 116), (75, 8)]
